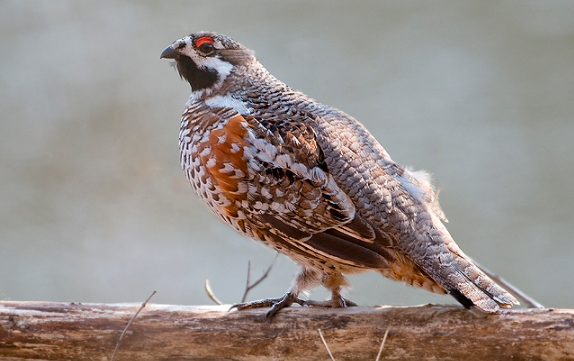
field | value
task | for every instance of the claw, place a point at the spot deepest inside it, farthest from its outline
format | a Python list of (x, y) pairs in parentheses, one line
[(275, 303), (348, 303)]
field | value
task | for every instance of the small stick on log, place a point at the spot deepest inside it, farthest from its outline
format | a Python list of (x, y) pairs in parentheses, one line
[(325, 343), (128, 325), (210, 293), (382, 344), (250, 285)]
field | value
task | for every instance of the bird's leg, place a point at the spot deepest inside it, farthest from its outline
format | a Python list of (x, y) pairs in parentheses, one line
[(335, 283), (305, 280), (336, 301)]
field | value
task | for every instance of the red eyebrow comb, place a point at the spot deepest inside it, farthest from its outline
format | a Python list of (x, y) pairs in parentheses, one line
[(205, 39)]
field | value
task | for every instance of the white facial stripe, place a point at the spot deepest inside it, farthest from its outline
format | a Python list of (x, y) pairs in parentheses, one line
[(223, 68)]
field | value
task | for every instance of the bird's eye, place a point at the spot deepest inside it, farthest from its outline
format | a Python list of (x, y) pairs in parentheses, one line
[(205, 45), (206, 48)]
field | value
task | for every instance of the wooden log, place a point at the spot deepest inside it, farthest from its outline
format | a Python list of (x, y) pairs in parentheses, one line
[(69, 331)]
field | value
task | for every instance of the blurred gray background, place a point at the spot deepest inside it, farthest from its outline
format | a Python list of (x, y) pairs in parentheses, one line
[(94, 206)]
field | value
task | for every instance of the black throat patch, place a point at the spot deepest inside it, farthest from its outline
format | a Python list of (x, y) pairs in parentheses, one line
[(198, 78)]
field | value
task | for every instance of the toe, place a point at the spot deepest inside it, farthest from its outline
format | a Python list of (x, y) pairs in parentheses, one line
[(275, 303)]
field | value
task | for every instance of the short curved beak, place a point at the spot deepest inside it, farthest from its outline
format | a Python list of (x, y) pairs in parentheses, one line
[(169, 53)]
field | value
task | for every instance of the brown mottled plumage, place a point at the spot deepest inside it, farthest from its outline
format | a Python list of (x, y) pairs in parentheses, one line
[(312, 182)]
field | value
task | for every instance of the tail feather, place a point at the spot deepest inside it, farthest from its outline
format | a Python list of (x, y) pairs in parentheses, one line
[(483, 282), (472, 288), (462, 299)]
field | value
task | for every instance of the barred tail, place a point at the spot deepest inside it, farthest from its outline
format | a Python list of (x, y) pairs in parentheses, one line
[(470, 286)]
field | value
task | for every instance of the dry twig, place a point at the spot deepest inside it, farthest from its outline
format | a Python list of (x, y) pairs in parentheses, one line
[(382, 344), (378, 355), (325, 343), (249, 286), (210, 293), (128, 325)]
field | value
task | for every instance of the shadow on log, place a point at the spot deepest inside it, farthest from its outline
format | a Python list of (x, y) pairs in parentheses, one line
[(68, 331)]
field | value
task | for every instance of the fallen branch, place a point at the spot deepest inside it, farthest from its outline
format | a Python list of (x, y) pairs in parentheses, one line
[(68, 331)]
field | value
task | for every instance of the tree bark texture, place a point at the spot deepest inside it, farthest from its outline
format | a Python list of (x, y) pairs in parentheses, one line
[(71, 331)]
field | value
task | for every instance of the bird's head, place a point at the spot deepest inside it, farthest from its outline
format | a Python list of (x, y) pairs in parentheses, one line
[(206, 59)]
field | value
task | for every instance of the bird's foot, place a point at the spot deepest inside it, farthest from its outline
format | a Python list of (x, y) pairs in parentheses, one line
[(336, 302), (275, 303)]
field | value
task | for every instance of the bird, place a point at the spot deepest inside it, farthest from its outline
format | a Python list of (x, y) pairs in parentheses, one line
[(311, 182)]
